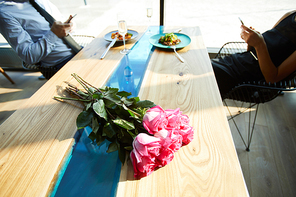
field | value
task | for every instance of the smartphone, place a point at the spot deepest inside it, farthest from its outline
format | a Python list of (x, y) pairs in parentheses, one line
[(241, 21), (69, 20)]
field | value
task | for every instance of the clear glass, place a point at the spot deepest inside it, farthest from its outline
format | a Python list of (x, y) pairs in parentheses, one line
[(122, 30), (149, 12), (149, 15)]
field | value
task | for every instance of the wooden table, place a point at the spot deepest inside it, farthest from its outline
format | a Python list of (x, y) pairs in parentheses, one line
[(37, 139)]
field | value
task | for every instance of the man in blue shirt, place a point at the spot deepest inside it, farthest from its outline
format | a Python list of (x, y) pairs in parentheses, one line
[(31, 36)]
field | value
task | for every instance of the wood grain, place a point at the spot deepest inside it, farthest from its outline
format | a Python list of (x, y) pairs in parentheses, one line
[(36, 139), (272, 167), (208, 166)]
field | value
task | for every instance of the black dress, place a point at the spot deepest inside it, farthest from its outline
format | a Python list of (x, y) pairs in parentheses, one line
[(243, 67)]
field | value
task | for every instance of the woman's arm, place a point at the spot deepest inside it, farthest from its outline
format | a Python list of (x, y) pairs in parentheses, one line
[(270, 72)]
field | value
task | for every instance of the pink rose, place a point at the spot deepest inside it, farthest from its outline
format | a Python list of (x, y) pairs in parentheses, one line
[(143, 168), (176, 140), (143, 155), (180, 122), (173, 117), (171, 130), (171, 143), (187, 133), (184, 119), (165, 157), (154, 119)]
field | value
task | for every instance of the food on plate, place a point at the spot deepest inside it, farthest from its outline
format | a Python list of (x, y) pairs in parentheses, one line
[(169, 39), (119, 37)]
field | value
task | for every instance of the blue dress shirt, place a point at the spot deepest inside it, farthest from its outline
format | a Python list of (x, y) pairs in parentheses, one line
[(29, 34)]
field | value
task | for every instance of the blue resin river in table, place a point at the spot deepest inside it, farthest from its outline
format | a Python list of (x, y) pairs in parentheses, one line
[(90, 171)]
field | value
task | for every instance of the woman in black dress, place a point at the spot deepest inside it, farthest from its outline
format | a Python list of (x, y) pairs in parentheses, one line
[(275, 50)]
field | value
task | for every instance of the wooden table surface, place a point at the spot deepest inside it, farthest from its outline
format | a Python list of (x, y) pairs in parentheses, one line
[(37, 139)]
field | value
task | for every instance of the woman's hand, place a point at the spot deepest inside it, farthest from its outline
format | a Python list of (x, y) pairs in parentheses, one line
[(252, 37)]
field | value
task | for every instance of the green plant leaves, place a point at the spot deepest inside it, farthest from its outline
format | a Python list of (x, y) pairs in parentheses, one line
[(84, 119), (109, 130), (145, 104), (112, 147), (124, 124), (112, 114), (99, 108)]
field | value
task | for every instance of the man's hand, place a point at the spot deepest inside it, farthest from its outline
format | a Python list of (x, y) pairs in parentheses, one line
[(62, 29)]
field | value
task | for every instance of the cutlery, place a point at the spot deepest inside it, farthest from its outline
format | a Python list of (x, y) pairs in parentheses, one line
[(108, 48), (178, 56), (178, 30), (174, 47)]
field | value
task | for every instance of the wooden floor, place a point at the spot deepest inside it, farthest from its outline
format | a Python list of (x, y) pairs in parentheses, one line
[(269, 168), (12, 96)]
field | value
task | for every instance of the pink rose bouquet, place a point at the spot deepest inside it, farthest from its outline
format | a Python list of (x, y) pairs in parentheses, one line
[(151, 134), (170, 130)]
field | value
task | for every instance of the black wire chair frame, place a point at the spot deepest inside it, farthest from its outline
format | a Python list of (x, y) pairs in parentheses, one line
[(252, 93)]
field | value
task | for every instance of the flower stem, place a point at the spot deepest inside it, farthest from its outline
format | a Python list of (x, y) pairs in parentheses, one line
[(71, 91), (73, 99), (134, 112), (85, 82)]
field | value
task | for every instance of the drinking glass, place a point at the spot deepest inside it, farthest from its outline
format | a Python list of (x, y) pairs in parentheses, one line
[(149, 14), (122, 30)]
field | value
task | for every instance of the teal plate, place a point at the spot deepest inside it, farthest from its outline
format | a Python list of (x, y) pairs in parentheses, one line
[(185, 40)]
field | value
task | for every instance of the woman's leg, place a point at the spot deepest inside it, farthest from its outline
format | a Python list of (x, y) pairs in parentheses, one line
[(225, 79)]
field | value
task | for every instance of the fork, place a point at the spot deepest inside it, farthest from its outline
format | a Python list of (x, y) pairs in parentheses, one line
[(178, 56)]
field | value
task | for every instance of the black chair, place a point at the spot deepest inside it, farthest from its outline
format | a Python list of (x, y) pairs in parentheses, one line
[(48, 72), (252, 93)]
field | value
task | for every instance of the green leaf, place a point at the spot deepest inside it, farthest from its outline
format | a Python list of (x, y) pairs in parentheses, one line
[(92, 136), (82, 94), (99, 108), (128, 148), (145, 104), (120, 111), (111, 90), (124, 94), (91, 89), (110, 94), (127, 102), (132, 134), (112, 147), (113, 98), (84, 119), (109, 130), (131, 114), (121, 154), (95, 125), (99, 139), (126, 138), (88, 105), (110, 104), (97, 95), (135, 99), (124, 124)]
